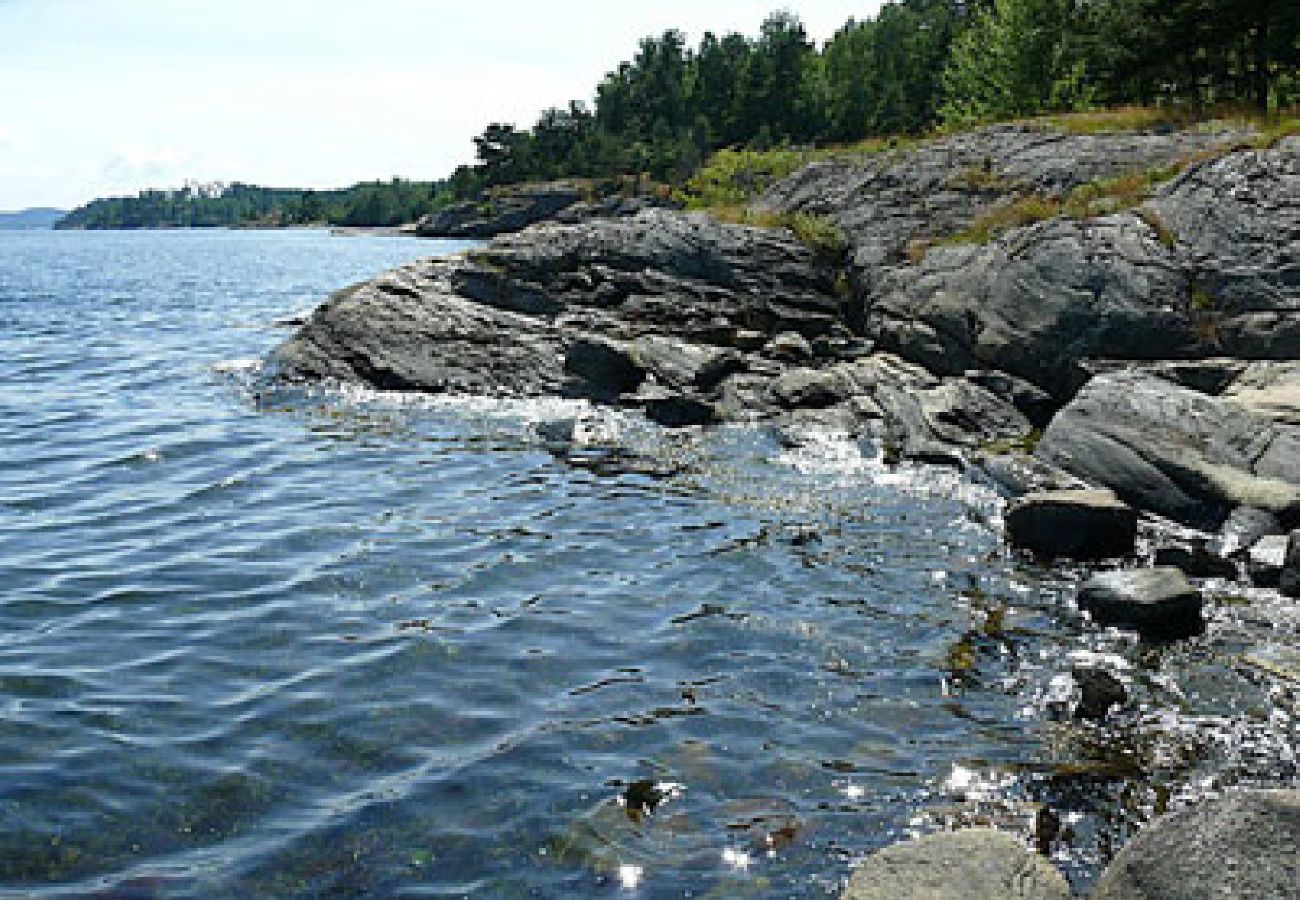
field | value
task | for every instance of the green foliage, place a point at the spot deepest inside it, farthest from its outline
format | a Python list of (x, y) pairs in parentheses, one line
[(735, 177), (379, 203)]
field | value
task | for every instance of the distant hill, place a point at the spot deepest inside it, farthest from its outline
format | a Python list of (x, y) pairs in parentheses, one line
[(380, 203), (38, 217)]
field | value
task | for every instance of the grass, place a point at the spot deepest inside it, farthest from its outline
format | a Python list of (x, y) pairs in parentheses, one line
[(821, 233), (733, 179)]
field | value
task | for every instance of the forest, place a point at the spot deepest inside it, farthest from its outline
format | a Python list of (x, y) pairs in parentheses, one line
[(918, 66)]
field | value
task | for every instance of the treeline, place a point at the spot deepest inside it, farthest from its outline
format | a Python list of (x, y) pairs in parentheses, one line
[(378, 203), (919, 64)]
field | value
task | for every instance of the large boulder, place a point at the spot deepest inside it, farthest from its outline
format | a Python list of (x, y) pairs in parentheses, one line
[(1074, 524), (1244, 846), (408, 329), (1209, 268), (975, 864), (1156, 602), (1185, 455)]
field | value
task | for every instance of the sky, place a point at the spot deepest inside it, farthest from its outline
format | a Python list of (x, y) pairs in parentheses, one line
[(107, 97)]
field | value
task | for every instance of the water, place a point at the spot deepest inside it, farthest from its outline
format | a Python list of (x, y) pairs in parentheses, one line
[(257, 643)]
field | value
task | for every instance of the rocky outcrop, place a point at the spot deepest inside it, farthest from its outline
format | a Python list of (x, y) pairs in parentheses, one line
[(885, 200), (505, 210), (1153, 345), (1244, 846), (1186, 455), (975, 864)]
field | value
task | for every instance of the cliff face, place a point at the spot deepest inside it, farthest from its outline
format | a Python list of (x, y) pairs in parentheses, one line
[(936, 354)]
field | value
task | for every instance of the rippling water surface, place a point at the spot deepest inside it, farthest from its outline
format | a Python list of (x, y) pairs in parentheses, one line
[(259, 644)]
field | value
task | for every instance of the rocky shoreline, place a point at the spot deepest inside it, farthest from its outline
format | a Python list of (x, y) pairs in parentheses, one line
[(1136, 370)]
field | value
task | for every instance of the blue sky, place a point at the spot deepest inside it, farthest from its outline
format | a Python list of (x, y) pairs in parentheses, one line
[(107, 97)]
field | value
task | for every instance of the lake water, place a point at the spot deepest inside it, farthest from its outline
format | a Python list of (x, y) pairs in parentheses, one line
[(256, 642)]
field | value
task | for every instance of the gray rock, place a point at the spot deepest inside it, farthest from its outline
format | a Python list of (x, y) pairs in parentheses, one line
[(1266, 559), (606, 368), (1156, 603), (976, 864), (1032, 402), (1289, 578), (508, 209), (1188, 456), (813, 388), (614, 300), (1244, 527), (1075, 524), (789, 346), (1195, 562), (409, 330), (882, 201), (1100, 692), (1244, 846)]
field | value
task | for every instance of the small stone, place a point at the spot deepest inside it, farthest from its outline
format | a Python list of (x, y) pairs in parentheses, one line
[(1154, 602), (1244, 846), (1072, 524), (1244, 527), (1266, 559), (1099, 693), (975, 864), (789, 346)]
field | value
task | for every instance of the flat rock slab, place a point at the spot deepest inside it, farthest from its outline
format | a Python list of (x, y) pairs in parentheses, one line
[(1156, 602), (977, 864), (1073, 524), (1244, 847)]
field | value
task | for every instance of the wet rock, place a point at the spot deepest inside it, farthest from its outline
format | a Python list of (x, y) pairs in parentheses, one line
[(813, 388), (718, 368), (975, 864), (1035, 404), (1276, 659), (1244, 527), (1019, 473), (675, 410), (1087, 524), (1265, 560), (1158, 603), (606, 367), (1099, 693), (789, 346), (1244, 846), (1289, 578), (499, 320), (1195, 562), (408, 329), (1188, 456)]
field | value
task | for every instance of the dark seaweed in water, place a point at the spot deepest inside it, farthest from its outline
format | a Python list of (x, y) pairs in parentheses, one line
[(257, 643)]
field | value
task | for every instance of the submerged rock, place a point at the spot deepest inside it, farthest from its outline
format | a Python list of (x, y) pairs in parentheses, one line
[(1156, 603), (1099, 692), (1074, 524), (1244, 846), (1196, 562), (975, 864)]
